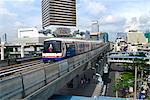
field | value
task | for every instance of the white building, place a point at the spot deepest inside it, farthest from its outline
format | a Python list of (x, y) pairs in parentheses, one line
[(136, 37), (30, 36), (95, 27), (120, 45), (28, 33)]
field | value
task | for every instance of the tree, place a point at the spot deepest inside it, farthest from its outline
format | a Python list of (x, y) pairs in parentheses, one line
[(138, 65), (124, 82)]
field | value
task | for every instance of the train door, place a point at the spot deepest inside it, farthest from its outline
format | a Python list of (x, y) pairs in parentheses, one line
[(63, 50), (70, 49)]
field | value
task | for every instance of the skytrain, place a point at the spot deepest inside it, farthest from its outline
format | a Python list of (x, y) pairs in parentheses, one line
[(57, 49)]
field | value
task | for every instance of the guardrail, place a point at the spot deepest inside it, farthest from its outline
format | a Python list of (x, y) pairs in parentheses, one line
[(23, 84), (126, 59)]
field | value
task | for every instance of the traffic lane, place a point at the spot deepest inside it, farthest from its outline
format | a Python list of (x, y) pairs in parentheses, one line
[(110, 86)]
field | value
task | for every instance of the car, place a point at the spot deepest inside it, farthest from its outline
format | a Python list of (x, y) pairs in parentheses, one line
[(106, 69), (99, 79)]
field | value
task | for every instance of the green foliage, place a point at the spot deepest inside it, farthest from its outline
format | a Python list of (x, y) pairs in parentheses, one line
[(140, 54), (131, 54), (125, 80), (7, 52), (140, 63)]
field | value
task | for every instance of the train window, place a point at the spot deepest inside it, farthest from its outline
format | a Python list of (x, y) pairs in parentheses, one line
[(52, 46), (70, 46)]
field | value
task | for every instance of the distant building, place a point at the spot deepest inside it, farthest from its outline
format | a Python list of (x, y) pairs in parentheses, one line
[(81, 34), (147, 35), (122, 35), (95, 35), (106, 38), (95, 27), (58, 13), (28, 33), (135, 37), (120, 45), (31, 36), (99, 36)]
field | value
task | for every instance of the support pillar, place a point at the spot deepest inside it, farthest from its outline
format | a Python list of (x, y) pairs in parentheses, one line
[(15, 49), (2, 52), (22, 51), (35, 48), (76, 82), (89, 65)]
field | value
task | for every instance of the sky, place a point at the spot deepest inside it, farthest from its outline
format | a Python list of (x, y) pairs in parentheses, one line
[(113, 15)]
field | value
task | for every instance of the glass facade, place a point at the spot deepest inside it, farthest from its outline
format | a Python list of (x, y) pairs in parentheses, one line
[(95, 27), (147, 35)]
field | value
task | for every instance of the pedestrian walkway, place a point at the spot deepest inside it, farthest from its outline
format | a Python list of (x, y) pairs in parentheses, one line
[(98, 90), (87, 90)]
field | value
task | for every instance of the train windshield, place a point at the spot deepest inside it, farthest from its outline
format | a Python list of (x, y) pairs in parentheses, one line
[(52, 46)]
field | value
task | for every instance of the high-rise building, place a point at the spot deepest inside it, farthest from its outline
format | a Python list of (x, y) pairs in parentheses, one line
[(135, 37), (95, 27), (58, 13)]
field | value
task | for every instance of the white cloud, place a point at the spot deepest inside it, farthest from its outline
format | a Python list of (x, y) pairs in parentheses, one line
[(11, 19), (18, 24), (91, 7), (87, 11), (26, 13), (94, 7), (20, 0), (113, 19), (141, 23)]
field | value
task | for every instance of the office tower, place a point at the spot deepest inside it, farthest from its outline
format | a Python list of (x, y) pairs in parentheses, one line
[(58, 13), (95, 27)]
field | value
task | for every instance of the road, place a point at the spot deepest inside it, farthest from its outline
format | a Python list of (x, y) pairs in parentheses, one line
[(110, 79)]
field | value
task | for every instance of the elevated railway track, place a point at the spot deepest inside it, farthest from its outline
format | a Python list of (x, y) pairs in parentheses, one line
[(35, 80), (20, 68)]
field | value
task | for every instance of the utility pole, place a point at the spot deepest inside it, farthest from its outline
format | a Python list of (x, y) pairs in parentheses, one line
[(135, 82)]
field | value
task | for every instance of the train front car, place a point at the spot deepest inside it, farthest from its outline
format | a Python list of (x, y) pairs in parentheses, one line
[(52, 50)]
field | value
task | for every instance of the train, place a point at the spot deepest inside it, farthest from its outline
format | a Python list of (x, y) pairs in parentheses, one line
[(57, 49)]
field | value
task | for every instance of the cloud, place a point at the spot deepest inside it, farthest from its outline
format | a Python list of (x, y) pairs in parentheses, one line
[(113, 20), (94, 7), (144, 22), (133, 24), (141, 23), (113, 15), (7, 19), (87, 11), (91, 7), (21, 14)]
